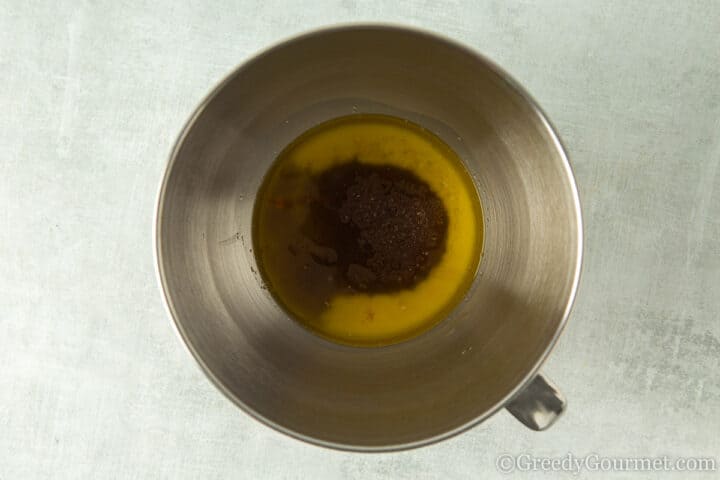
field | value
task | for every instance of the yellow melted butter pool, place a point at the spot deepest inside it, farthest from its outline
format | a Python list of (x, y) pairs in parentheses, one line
[(352, 317)]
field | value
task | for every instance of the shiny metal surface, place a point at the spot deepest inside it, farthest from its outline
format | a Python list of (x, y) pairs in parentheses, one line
[(409, 394), (539, 404)]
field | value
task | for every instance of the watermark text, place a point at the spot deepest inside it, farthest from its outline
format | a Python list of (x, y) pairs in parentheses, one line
[(575, 464)]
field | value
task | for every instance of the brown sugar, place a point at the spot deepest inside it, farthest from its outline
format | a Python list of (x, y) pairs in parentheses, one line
[(382, 226)]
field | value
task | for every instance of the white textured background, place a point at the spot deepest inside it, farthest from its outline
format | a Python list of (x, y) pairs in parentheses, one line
[(94, 382)]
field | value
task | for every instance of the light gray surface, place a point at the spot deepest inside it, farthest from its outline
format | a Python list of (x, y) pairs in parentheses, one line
[(94, 383)]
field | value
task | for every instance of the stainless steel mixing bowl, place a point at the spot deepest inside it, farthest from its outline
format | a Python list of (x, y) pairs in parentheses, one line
[(484, 356)]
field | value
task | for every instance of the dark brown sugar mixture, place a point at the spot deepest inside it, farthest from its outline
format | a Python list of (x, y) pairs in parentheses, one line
[(382, 226)]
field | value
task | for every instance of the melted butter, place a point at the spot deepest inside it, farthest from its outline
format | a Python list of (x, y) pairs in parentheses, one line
[(312, 293)]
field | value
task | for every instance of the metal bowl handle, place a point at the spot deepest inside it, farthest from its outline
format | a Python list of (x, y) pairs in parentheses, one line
[(539, 404)]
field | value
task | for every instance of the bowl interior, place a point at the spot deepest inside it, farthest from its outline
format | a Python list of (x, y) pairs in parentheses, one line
[(435, 384)]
